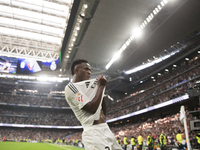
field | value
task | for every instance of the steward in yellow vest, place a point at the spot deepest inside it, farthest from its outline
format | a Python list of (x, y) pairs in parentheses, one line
[(118, 140), (149, 142), (163, 141), (133, 142), (140, 141), (125, 142), (179, 139)]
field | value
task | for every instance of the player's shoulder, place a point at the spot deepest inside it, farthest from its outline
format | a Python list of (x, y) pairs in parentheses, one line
[(71, 89)]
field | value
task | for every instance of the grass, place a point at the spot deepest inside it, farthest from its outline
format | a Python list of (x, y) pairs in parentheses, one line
[(35, 146)]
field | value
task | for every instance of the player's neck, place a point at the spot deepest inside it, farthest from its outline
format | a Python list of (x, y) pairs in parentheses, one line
[(76, 79)]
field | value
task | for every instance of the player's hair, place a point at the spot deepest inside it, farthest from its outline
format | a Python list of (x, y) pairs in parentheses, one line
[(77, 62)]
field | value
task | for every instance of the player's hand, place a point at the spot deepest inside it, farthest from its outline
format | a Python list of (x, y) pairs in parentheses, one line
[(102, 81)]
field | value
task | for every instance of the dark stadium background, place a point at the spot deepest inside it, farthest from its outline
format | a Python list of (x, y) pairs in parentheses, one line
[(33, 105)]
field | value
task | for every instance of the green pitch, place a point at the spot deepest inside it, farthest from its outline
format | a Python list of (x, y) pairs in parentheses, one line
[(35, 146)]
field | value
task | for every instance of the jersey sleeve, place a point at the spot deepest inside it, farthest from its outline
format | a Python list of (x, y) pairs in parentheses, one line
[(75, 97)]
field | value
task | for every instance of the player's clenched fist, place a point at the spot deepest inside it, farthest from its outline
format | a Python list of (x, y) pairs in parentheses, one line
[(102, 81)]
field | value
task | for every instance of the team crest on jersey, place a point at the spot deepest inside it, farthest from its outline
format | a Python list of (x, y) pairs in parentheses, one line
[(80, 98)]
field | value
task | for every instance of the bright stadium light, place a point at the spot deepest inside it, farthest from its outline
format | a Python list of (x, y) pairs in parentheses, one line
[(41, 78), (115, 57), (31, 26), (165, 1), (137, 32), (166, 70), (32, 16), (151, 63), (30, 35)]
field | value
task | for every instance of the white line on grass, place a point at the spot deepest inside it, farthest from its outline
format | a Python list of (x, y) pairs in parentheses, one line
[(60, 147)]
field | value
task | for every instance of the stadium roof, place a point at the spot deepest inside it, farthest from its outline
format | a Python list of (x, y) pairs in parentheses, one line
[(33, 29), (106, 30), (95, 30)]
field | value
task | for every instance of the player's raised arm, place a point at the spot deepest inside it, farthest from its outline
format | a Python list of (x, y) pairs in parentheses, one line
[(104, 106), (93, 105)]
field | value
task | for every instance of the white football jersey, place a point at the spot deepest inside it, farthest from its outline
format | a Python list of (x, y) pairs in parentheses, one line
[(78, 95)]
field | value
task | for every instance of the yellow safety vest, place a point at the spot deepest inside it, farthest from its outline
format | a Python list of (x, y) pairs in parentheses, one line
[(198, 138), (164, 139), (148, 140), (132, 141), (179, 138), (125, 141), (76, 141), (118, 141), (140, 140)]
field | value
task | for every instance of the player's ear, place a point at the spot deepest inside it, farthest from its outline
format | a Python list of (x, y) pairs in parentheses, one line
[(76, 70)]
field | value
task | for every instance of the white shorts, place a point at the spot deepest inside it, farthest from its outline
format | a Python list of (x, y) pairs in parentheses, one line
[(99, 137)]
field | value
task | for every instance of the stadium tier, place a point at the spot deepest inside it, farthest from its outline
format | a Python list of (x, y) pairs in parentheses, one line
[(72, 71)]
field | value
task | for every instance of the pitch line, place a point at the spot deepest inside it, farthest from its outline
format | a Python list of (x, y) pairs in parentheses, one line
[(61, 147)]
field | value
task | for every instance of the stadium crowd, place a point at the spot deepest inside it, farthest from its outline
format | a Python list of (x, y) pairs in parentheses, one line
[(33, 100), (38, 117), (33, 88), (153, 126), (167, 87), (18, 134), (171, 85), (170, 125)]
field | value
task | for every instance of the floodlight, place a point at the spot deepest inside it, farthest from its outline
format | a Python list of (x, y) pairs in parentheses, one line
[(159, 7), (162, 3), (137, 32), (165, 1), (116, 56), (154, 12), (85, 5)]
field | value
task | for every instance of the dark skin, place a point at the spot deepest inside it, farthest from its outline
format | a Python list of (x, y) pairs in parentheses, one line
[(82, 72)]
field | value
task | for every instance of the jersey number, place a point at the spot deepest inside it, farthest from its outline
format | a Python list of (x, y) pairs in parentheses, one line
[(107, 148)]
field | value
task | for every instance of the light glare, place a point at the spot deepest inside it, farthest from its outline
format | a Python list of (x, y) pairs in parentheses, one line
[(137, 32)]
